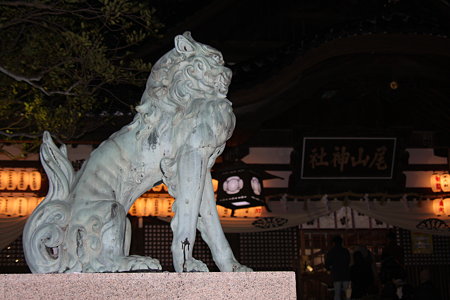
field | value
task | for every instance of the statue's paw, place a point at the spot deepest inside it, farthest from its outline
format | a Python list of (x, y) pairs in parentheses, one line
[(195, 265), (231, 265), (237, 267), (139, 263)]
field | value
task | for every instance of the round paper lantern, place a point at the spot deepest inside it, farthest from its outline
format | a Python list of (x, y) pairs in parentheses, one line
[(445, 182), (435, 181), (441, 207)]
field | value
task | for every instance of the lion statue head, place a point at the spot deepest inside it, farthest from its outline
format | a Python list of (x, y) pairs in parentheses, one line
[(191, 70)]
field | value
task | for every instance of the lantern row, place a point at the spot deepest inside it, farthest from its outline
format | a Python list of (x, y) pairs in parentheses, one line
[(143, 207), (18, 206), (20, 179), (162, 207)]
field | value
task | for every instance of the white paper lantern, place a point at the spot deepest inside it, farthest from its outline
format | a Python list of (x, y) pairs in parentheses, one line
[(12, 179), (445, 182), (435, 181), (23, 180), (441, 207), (35, 180)]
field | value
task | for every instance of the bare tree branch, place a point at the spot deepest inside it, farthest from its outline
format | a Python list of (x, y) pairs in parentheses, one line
[(27, 135), (31, 80)]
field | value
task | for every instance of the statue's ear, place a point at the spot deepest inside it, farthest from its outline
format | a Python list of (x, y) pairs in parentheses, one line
[(183, 44)]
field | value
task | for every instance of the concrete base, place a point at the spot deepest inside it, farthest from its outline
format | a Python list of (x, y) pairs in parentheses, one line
[(254, 285)]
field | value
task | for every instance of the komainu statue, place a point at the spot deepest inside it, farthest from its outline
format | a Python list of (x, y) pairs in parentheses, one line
[(181, 126)]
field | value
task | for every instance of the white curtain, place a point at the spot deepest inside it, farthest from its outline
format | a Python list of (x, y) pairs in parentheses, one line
[(414, 215)]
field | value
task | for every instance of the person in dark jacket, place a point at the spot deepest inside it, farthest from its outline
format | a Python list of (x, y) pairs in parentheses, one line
[(338, 262), (361, 276)]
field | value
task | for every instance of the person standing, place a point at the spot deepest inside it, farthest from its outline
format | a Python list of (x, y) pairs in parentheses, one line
[(338, 262)]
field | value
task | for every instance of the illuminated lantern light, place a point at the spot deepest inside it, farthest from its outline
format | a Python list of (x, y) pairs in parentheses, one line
[(12, 179), (215, 184), (441, 207), (251, 212), (3, 206), (35, 180), (223, 212), (156, 207), (170, 202), (3, 179), (141, 207), (153, 206), (435, 181), (158, 188), (445, 182), (32, 203), (23, 180), (21, 206), (14, 206)]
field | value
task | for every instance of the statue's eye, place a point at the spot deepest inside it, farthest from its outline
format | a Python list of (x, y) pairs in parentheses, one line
[(217, 58)]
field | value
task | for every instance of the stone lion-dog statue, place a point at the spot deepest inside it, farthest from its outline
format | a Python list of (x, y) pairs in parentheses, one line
[(181, 126)]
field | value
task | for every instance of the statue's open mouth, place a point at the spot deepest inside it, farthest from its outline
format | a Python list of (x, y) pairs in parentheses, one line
[(52, 252)]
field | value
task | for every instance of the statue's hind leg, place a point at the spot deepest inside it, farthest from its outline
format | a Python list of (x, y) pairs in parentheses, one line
[(103, 241)]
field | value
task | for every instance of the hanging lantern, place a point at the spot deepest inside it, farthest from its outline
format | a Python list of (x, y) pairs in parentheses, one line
[(240, 186), (435, 181), (12, 179), (23, 180), (32, 203), (445, 182), (35, 180), (441, 207), (20, 207)]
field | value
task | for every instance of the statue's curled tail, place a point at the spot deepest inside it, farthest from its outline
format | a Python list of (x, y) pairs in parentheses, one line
[(44, 232)]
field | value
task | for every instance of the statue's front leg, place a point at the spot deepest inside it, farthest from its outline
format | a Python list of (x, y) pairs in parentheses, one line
[(212, 232), (191, 169)]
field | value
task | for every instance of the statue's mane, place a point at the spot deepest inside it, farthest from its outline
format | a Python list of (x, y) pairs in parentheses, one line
[(171, 89)]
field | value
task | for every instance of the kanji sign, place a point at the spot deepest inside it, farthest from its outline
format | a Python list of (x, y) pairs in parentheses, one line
[(348, 158)]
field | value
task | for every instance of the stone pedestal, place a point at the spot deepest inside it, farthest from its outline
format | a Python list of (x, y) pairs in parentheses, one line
[(252, 285)]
